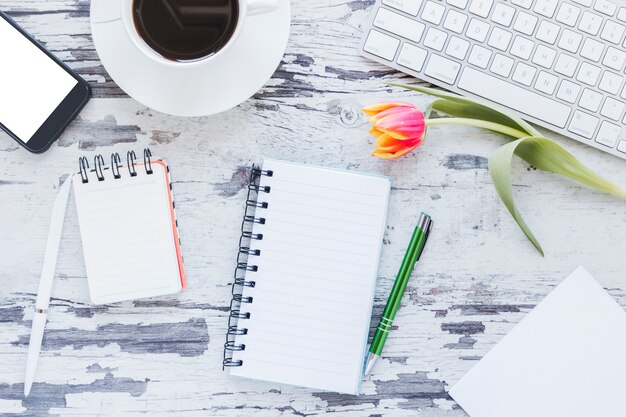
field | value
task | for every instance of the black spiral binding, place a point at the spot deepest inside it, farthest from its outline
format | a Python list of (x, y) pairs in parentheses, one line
[(98, 162), (99, 167), (131, 159), (244, 265), (116, 163)]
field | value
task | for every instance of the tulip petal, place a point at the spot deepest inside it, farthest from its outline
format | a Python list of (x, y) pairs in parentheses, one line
[(404, 152), (378, 107), (384, 155), (391, 111), (393, 149), (404, 125), (375, 132), (388, 155), (387, 142)]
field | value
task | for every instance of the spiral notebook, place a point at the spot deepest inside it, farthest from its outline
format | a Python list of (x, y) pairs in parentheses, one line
[(305, 278), (128, 228)]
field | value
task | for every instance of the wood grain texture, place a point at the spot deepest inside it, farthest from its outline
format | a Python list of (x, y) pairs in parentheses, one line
[(162, 356)]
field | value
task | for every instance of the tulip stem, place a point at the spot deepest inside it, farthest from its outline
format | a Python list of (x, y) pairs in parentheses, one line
[(496, 127)]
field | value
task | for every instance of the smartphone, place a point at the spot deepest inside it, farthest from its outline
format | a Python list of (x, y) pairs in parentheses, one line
[(39, 95)]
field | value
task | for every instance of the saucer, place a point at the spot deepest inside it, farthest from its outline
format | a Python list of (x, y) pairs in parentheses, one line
[(221, 83)]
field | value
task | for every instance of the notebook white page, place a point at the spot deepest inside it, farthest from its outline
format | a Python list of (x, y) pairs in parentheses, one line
[(567, 358), (127, 230), (312, 303)]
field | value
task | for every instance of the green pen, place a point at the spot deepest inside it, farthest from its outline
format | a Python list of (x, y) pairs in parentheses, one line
[(413, 253)]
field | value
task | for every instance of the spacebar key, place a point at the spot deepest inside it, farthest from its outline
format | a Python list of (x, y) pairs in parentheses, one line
[(509, 95)]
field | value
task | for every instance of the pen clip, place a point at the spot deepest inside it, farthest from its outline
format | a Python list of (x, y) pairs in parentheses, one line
[(426, 235)]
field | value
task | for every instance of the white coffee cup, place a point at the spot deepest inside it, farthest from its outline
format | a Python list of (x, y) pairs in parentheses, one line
[(200, 87), (247, 8)]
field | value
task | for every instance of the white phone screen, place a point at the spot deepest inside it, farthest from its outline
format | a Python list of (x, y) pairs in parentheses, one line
[(31, 84)]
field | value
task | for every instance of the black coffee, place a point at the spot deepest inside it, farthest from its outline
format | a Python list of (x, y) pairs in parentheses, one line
[(186, 30)]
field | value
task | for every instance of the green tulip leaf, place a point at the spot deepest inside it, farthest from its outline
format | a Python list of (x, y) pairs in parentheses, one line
[(500, 171), (548, 156), (459, 106)]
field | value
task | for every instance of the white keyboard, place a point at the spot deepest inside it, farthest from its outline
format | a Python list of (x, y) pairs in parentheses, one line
[(560, 64)]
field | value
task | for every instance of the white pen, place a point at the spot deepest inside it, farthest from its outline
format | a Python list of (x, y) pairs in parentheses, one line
[(45, 282)]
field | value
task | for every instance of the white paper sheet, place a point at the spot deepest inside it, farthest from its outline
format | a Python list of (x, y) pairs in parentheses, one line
[(317, 270), (567, 358)]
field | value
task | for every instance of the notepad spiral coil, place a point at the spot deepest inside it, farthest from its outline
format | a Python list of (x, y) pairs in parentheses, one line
[(244, 265), (99, 165)]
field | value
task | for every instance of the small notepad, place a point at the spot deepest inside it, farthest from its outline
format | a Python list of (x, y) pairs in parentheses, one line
[(566, 358), (306, 276), (128, 230)]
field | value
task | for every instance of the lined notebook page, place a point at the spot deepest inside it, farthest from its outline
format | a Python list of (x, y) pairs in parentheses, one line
[(312, 303), (128, 232)]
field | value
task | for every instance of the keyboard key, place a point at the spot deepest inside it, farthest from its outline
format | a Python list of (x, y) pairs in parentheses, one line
[(570, 41), (412, 57), (568, 91), (592, 49), (583, 124), (568, 14), (515, 97), (566, 65), (590, 100), (612, 109), (455, 21), (442, 69), (544, 56), (622, 146), (411, 7), (611, 82), (546, 7), (500, 39), (381, 45), (548, 32), (586, 3), (481, 7), (590, 23), (605, 6), (435, 39), (614, 59), (399, 24), (588, 74), (503, 14), (433, 12), (608, 134), (523, 3), (522, 47), (479, 56), (524, 74), (477, 30), (502, 65), (546, 83), (613, 32), (525, 23), (461, 4), (621, 15), (457, 48)]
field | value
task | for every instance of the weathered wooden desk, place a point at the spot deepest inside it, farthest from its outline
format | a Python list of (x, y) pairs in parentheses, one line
[(163, 356)]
